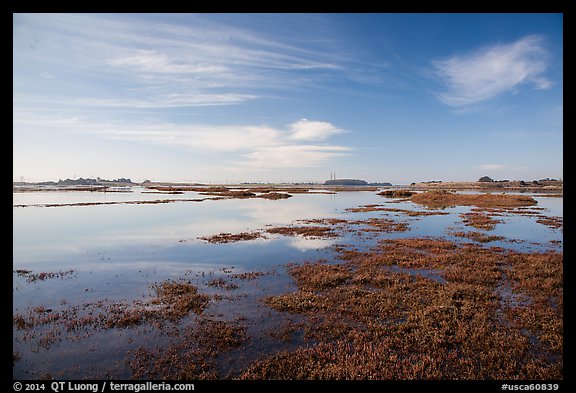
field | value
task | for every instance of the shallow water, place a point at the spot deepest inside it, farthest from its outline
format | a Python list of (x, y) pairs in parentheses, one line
[(117, 251)]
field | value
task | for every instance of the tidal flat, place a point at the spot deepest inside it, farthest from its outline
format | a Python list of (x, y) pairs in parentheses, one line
[(287, 283)]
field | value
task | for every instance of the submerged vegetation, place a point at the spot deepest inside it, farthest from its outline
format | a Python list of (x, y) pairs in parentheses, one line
[(32, 277)]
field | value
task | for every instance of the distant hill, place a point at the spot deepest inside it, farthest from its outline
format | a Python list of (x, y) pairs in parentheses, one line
[(345, 182), (385, 184), (86, 182)]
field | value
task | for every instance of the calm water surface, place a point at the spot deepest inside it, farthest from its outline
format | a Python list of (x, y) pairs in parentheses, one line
[(117, 251)]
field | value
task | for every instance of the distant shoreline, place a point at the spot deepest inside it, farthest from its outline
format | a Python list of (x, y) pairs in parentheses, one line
[(546, 186)]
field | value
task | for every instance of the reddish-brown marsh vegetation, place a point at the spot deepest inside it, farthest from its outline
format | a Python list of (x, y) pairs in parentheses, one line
[(180, 297), (32, 277), (173, 301), (442, 198), (230, 237), (247, 275), (221, 283), (361, 319), (385, 225), (143, 202), (416, 308), (274, 195), (373, 323), (193, 357), (478, 236), (551, 222), (305, 231), (188, 188), (243, 194), (408, 212), (397, 193), (480, 220)]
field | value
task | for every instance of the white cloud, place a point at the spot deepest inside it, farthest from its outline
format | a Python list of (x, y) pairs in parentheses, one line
[(206, 138), (174, 100), (312, 130), (492, 71), (492, 167), (250, 146), (153, 61), (155, 101)]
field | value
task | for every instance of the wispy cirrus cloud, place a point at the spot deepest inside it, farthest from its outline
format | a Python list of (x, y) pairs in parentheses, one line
[(489, 72), (159, 101), (143, 60), (199, 63), (173, 100)]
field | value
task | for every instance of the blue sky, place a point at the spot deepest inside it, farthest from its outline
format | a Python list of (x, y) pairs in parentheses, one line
[(230, 98)]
